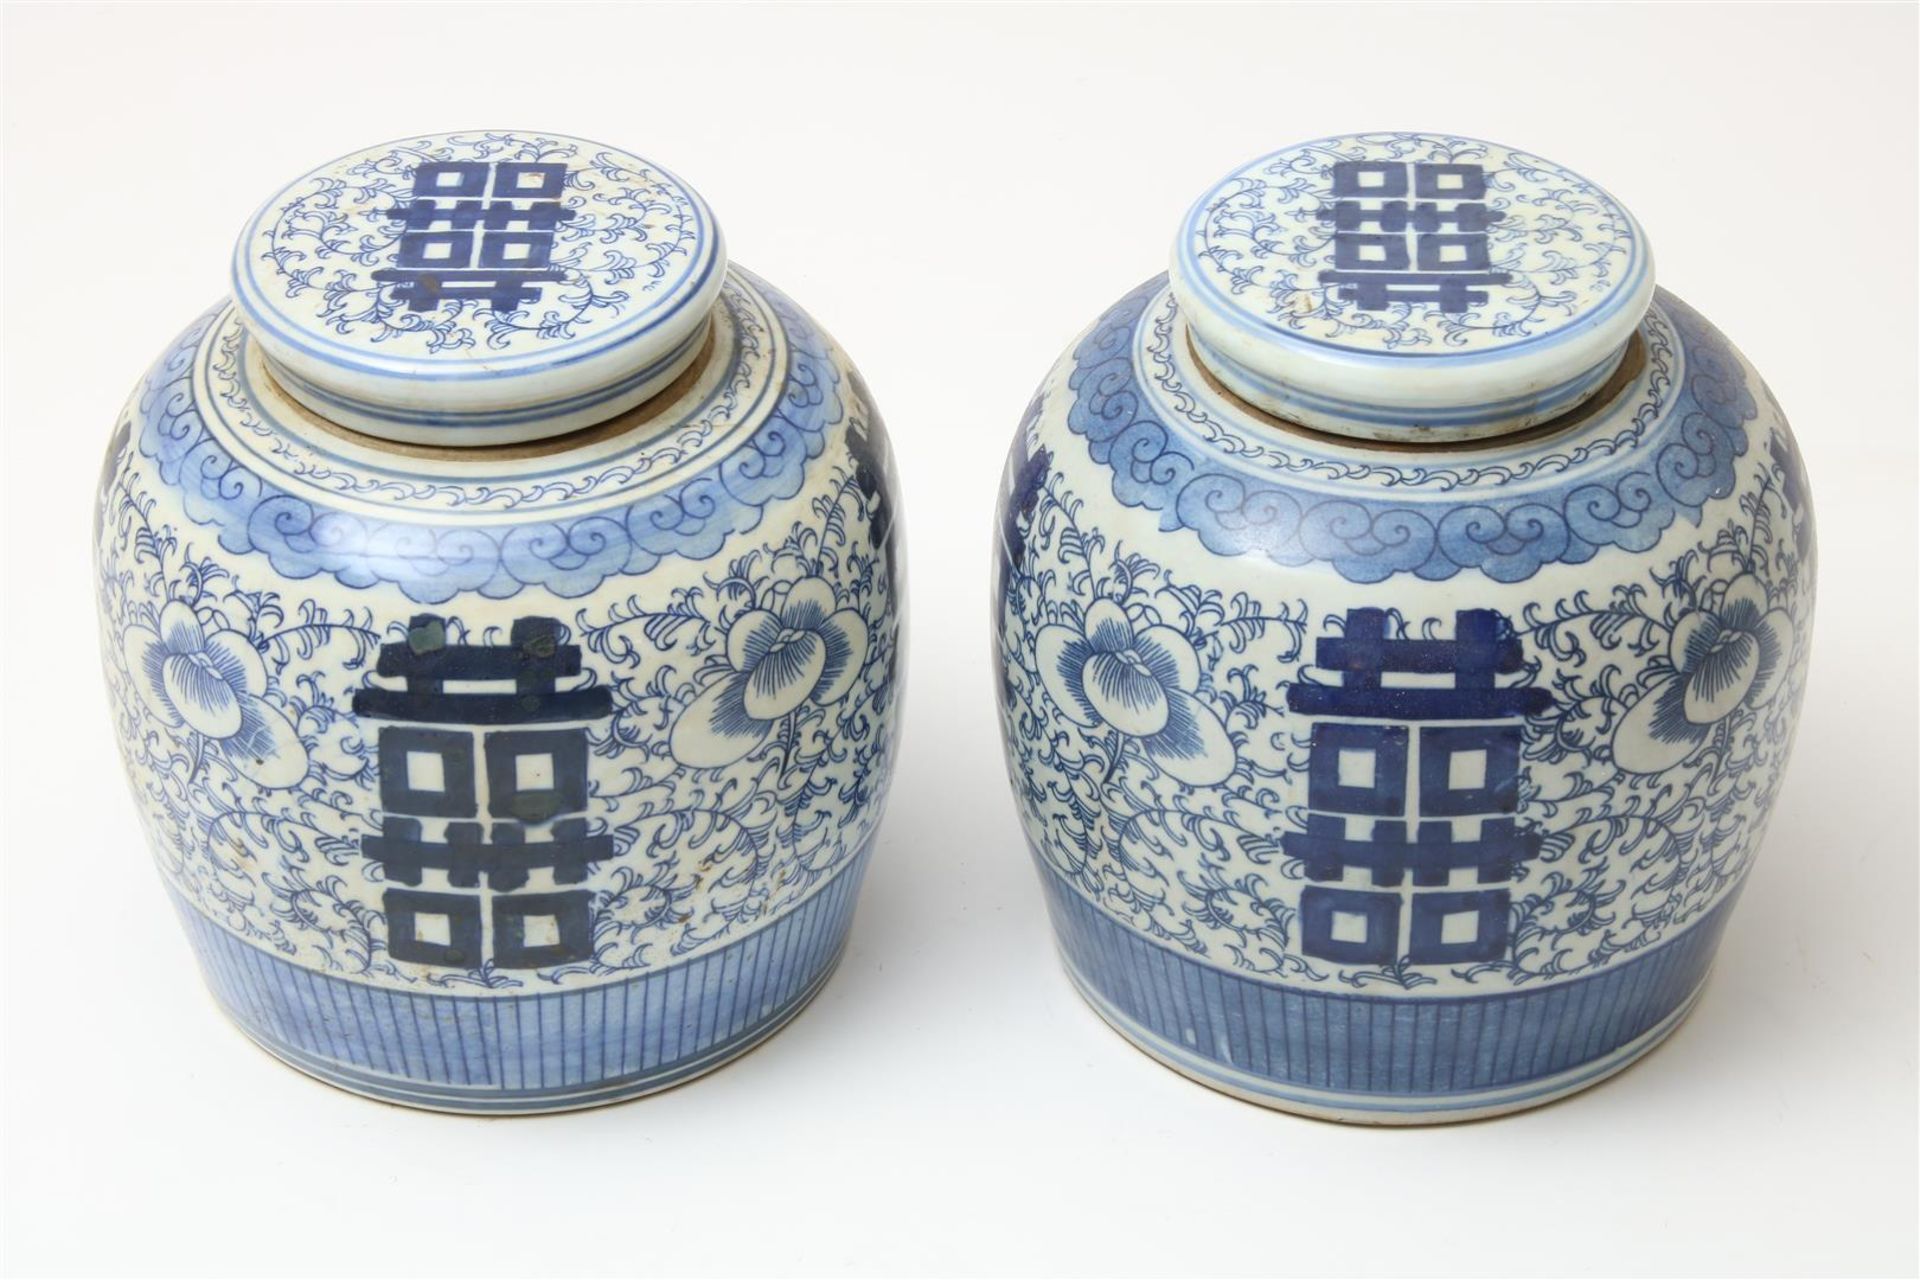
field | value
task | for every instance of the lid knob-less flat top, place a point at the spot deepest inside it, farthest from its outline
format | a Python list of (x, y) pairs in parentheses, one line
[(479, 288), (1410, 285)]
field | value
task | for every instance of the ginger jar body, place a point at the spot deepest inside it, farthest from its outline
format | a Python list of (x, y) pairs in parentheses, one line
[(1402, 615), (499, 609)]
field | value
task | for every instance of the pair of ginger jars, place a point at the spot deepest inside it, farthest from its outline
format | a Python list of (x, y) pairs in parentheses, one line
[(1401, 612)]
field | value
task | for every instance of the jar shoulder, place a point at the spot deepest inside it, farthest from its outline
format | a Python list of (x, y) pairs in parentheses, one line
[(1154, 447), (774, 414)]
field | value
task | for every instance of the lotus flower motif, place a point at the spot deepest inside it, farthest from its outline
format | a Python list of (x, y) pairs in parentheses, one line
[(1141, 682), (1723, 658), (212, 684), (807, 651)]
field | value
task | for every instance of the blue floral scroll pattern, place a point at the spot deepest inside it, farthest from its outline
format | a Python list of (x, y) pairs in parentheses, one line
[(570, 555), (1683, 460), (257, 790), (1675, 679)]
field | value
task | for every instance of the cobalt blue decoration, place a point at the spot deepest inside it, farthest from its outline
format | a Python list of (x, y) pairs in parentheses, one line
[(499, 614), (1402, 616)]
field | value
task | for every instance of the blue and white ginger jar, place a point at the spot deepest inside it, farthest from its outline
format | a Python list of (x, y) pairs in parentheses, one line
[(500, 611), (1402, 615)]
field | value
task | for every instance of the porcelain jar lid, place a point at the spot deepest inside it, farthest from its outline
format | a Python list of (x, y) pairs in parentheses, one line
[(1410, 286), (479, 288)]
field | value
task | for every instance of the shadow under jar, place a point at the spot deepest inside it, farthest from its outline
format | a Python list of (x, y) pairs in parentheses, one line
[(1402, 614), (500, 621)]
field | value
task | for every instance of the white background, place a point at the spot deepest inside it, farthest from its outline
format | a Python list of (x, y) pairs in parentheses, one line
[(955, 193)]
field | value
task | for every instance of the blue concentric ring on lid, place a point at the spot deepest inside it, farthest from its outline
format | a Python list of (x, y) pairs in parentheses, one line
[(1402, 286), (479, 288)]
